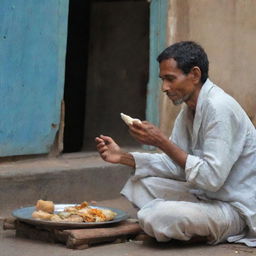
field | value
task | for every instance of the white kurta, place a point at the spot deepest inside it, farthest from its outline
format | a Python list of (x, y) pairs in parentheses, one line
[(221, 165)]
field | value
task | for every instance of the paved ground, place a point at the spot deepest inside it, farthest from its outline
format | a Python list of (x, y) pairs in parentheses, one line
[(12, 246)]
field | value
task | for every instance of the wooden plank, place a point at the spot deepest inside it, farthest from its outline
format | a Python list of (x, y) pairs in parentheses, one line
[(75, 238)]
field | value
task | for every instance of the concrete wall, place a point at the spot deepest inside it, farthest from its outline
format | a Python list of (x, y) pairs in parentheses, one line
[(226, 30)]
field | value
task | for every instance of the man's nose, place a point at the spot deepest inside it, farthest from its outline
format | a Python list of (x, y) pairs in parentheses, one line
[(165, 86)]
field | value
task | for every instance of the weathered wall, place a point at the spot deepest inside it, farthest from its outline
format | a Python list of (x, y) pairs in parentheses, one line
[(226, 30)]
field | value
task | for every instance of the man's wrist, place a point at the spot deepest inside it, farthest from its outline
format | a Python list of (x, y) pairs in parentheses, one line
[(174, 152), (164, 143), (127, 159)]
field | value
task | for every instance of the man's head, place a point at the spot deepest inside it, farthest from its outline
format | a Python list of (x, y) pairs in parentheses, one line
[(183, 69), (187, 54)]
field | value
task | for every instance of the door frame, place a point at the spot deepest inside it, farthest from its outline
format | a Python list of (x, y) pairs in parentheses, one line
[(158, 42)]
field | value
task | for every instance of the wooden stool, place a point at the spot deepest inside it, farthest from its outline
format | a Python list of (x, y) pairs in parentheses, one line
[(75, 238)]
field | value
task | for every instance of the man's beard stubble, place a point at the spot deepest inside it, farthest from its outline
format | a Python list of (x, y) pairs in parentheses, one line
[(181, 100)]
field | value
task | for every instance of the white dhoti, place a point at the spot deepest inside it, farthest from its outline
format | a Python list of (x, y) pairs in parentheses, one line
[(169, 211)]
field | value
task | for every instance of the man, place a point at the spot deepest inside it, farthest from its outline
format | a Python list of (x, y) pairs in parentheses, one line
[(203, 184)]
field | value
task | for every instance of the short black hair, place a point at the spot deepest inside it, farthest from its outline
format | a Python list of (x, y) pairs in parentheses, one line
[(187, 54)]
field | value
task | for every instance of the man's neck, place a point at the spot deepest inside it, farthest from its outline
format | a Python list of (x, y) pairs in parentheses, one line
[(192, 101)]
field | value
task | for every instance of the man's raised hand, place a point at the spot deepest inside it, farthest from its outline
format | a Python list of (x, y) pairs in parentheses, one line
[(147, 133)]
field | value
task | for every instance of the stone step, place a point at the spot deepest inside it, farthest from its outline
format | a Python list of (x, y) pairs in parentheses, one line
[(70, 178)]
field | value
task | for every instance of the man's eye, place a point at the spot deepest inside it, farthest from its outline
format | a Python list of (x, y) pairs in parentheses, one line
[(170, 79)]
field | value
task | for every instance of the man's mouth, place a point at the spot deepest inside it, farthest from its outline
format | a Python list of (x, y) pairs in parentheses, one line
[(171, 95)]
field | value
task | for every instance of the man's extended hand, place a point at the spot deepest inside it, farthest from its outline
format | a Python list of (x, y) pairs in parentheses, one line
[(108, 149), (147, 133), (112, 153)]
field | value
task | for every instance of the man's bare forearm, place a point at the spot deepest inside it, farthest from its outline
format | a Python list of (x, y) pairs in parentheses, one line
[(174, 152), (168, 147), (127, 159)]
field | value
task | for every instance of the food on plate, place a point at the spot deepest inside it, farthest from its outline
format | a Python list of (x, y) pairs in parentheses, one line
[(77, 213), (70, 218), (41, 215), (129, 120), (77, 207), (45, 206), (109, 215)]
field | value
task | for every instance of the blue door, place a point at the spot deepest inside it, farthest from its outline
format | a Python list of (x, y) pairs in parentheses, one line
[(33, 36), (158, 41)]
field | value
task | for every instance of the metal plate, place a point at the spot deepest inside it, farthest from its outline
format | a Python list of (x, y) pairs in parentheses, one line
[(25, 215)]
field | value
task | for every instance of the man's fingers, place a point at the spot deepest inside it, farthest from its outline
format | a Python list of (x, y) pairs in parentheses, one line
[(98, 140), (102, 149), (103, 138), (137, 124), (106, 139), (101, 145), (135, 131)]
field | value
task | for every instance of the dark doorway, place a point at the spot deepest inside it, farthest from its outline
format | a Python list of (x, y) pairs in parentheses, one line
[(106, 70)]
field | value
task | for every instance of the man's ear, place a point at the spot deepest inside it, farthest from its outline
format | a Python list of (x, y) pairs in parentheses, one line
[(196, 74)]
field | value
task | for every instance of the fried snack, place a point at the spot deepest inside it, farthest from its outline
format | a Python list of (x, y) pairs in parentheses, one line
[(75, 208), (82, 205), (56, 218), (45, 206), (96, 215), (109, 215), (42, 215)]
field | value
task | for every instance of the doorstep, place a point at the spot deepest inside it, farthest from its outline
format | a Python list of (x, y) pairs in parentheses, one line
[(70, 178)]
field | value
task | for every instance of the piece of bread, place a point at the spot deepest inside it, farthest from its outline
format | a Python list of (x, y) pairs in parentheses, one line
[(45, 206), (56, 218), (129, 120), (41, 215)]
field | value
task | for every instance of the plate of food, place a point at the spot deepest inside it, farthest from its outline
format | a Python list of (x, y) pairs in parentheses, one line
[(69, 215)]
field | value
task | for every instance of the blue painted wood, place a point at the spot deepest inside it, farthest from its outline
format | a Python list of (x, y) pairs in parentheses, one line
[(157, 41), (158, 27), (32, 55)]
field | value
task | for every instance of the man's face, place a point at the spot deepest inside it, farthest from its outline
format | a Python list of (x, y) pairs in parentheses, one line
[(178, 86)]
